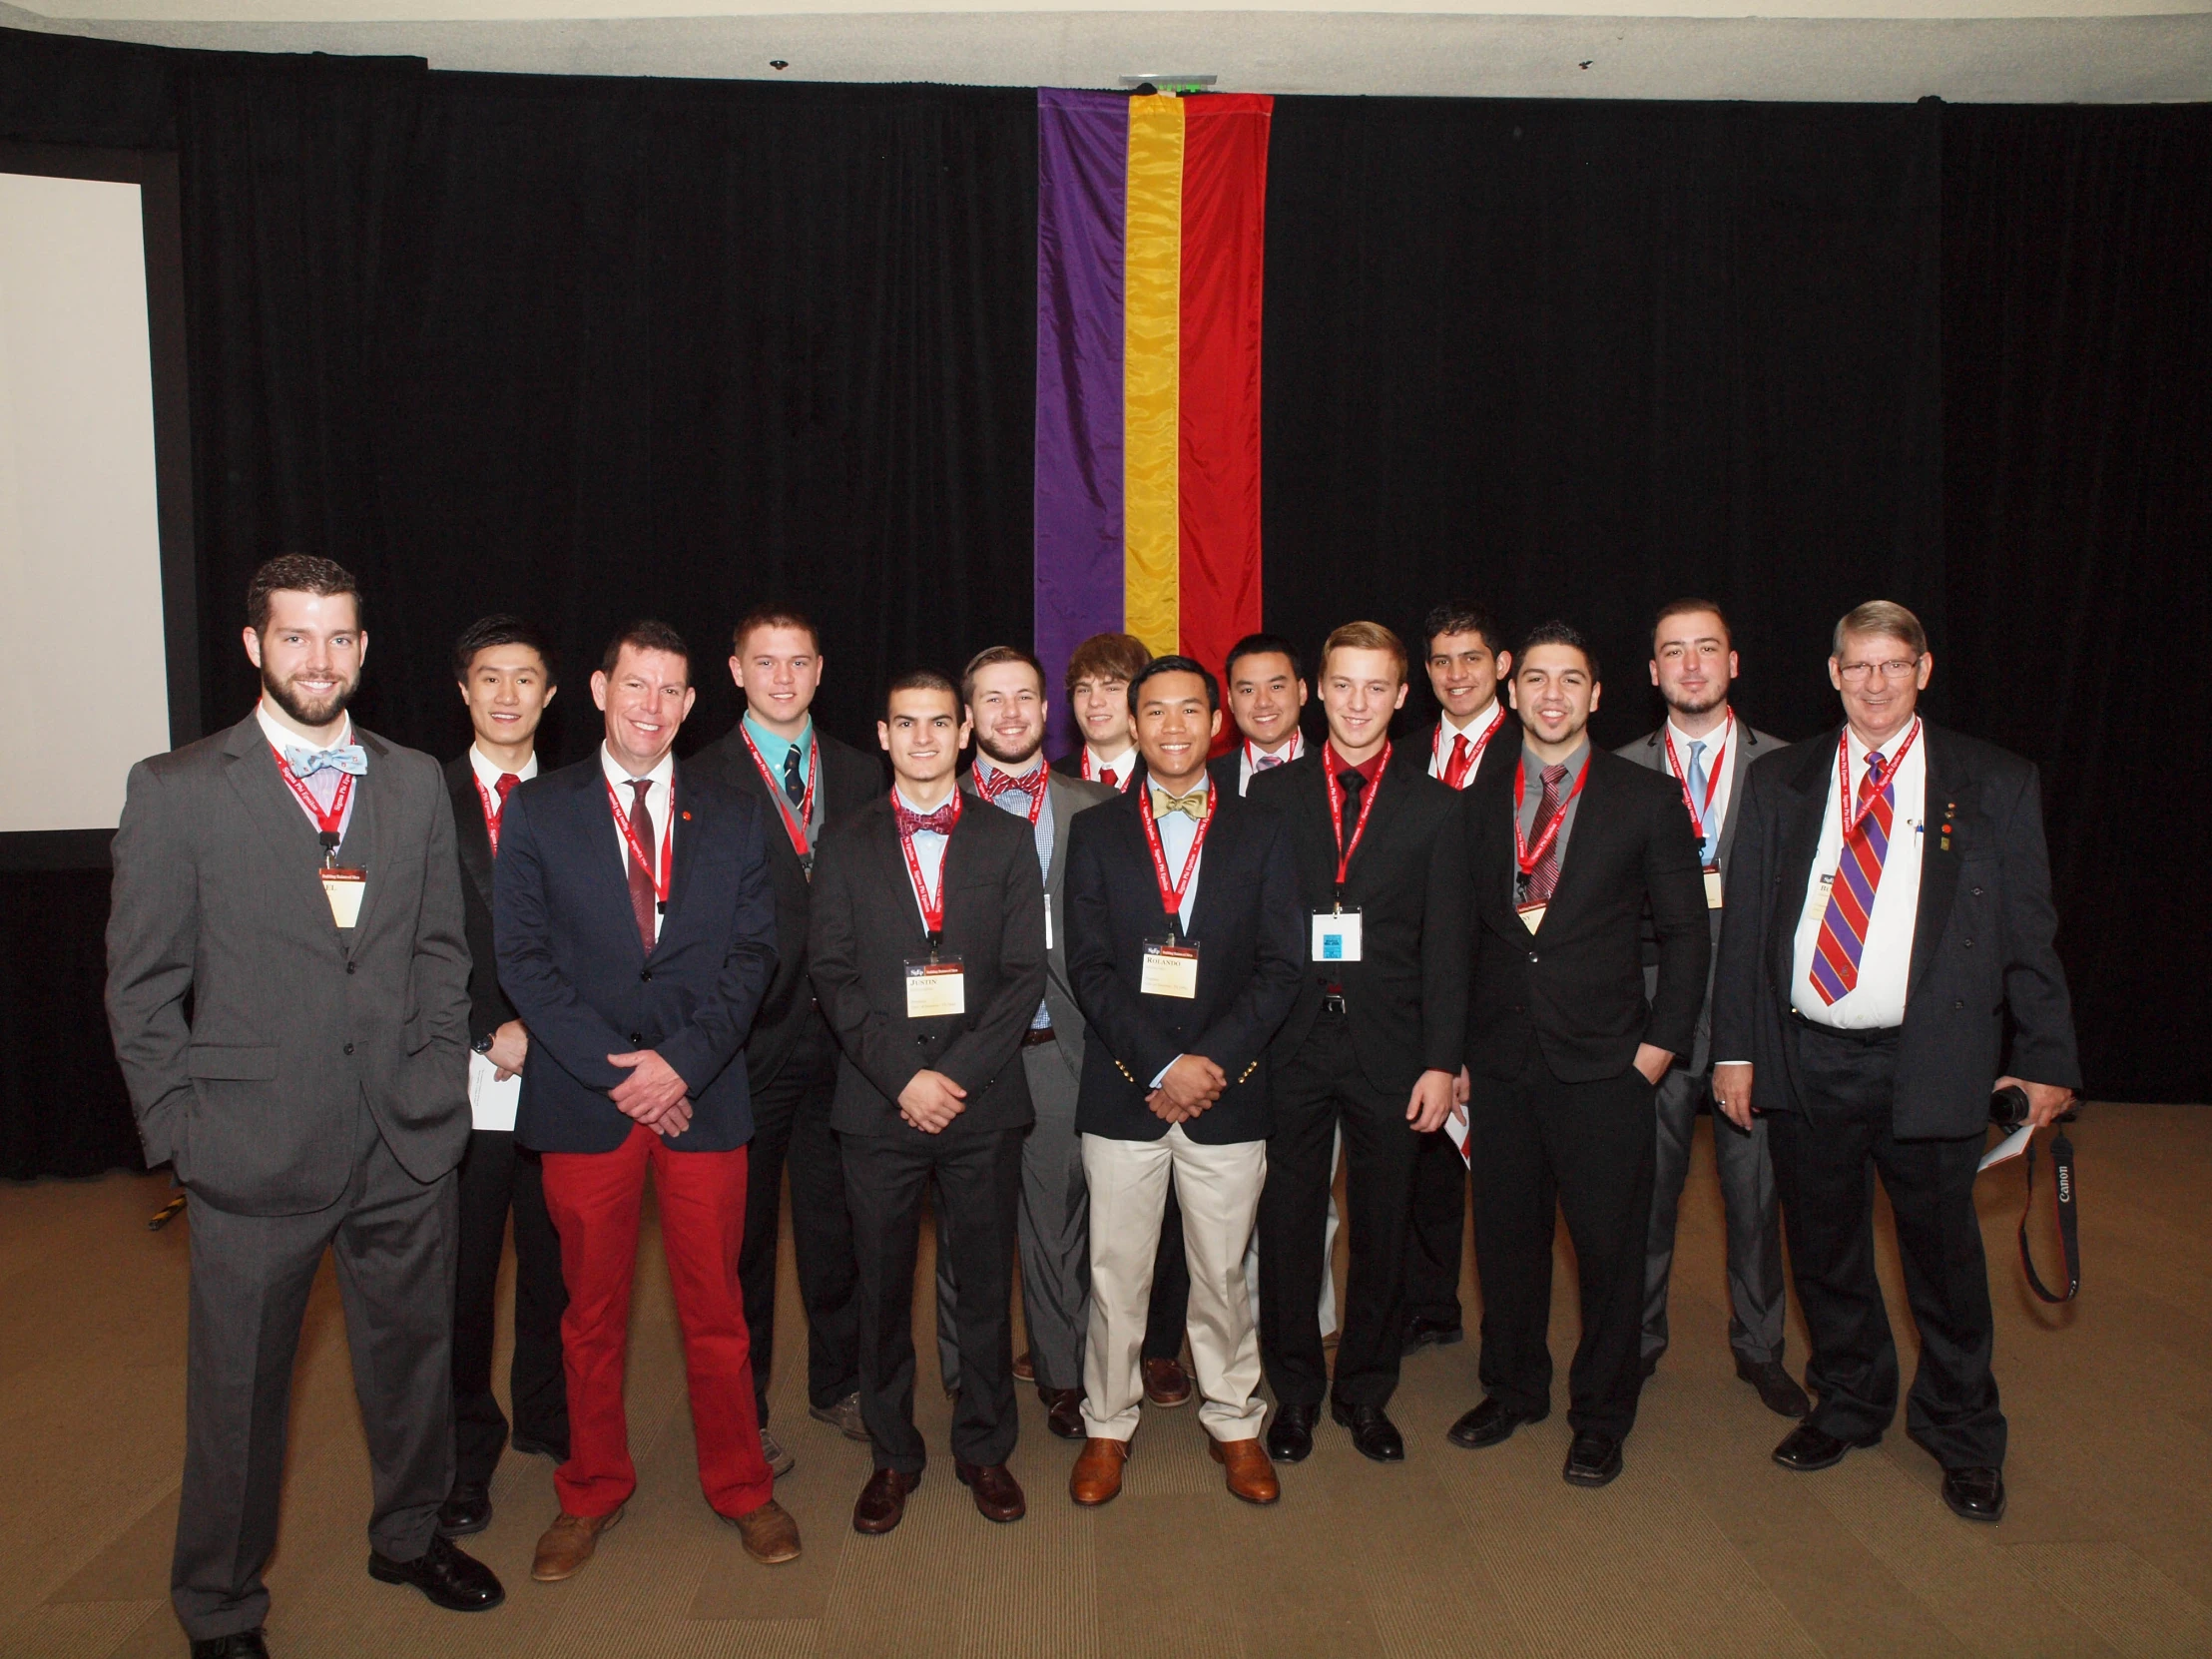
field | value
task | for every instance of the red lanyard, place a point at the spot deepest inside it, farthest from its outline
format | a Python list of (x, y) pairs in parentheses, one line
[(1171, 898), (331, 823), (1527, 857), (1712, 776), (994, 784), (1436, 744), (1128, 768), (1337, 809), (637, 849), (491, 812), (933, 909), (1295, 749), (1876, 780), (797, 831)]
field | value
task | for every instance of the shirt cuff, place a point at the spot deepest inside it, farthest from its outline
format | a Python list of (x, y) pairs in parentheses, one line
[(1164, 1070)]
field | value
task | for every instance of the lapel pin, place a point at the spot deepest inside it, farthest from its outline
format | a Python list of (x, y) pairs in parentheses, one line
[(686, 817)]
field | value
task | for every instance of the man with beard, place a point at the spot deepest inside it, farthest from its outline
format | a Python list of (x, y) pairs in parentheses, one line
[(288, 987)]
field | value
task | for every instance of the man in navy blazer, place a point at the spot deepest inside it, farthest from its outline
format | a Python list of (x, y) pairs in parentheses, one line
[(636, 928)]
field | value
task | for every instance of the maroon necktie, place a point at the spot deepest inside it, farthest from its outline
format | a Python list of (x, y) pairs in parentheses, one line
[(1546, 876), (643, 895)]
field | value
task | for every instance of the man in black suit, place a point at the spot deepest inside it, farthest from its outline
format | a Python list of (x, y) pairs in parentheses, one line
[(928, 952), (1266, 687), (1467, 660), (1184, 952), (635, 936), (1564, 1049), (1372, 1045), (507, 680), (803, 779), (1889, 917)]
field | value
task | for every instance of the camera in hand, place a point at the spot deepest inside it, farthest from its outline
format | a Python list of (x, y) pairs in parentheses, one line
[(2008, 1109)]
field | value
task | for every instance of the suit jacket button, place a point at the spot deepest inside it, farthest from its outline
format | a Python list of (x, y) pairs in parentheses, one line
[(1958, 1005), (349, 968), (349, 1048), (1533, 957), (1969, 944), (638, 1038), (922, 1042), (645, 975)]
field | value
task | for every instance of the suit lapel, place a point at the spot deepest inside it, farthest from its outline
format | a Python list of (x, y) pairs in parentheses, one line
[(1064, 807), (684, 853), (469, 832), (1739, 762), (1948, 794), (270, 809), (376, 801), (1589, 815), (1805, 787)]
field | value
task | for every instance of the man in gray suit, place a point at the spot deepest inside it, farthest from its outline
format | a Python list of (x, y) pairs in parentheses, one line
[(1003, 689), (1707, 750), (288, 987)]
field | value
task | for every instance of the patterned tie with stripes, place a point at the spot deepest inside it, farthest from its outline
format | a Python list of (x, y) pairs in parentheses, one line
[(1858, 875)]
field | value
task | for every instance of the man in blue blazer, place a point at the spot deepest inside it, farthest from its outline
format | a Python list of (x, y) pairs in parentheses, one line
[(636, 928)]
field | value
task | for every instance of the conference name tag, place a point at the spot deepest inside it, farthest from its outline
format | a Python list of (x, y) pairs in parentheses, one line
[(345, 888), (1532, 915), (1336, 936), (936, 988), (1170, 968), (1712, 887), (1049, 924)]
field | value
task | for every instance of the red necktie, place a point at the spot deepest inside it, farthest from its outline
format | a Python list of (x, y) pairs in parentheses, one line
[(505, 786), (1111, 779), (1850, 896), (1546, 876), (1455, 768), (643, 895)]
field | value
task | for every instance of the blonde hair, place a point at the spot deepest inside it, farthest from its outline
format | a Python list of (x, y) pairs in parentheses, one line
[(1365, 636), (1886, 618)]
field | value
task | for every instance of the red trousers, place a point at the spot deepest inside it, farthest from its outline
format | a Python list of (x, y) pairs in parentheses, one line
[(594, 1199)]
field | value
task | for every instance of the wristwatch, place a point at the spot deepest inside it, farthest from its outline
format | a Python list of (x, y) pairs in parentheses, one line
[(482, 1045)]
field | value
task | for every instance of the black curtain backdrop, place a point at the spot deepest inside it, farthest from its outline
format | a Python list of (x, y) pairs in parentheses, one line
[(591, 349)]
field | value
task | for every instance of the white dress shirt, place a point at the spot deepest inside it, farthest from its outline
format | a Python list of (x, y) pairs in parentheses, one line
[(491, 1103), (1885, 961), (1485, 719), (1719, 759), (1177, 832), (1290, 748), (1124, 767), (929, 853), (323, 786), (659, 780)]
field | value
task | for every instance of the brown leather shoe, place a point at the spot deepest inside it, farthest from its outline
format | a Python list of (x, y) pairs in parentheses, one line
[(1096, 1477), (997, 1493), (1025, 1367), (1251, 1475), (883, 1501), (1064, 1412), (771, 1535), (567, 1543), (1166, 1383)]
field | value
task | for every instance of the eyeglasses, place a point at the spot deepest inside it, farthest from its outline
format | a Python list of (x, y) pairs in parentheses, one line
[(1897, 668)]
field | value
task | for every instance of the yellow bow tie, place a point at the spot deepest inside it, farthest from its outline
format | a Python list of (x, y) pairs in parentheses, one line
[(1192, 805)]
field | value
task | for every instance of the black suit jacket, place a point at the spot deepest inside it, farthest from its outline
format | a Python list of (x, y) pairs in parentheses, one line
[(1577, 987), (572, 964), (488, 1007), (1406, 997), (1983, 935), (850, 781), (865, 927), (1251, 957)]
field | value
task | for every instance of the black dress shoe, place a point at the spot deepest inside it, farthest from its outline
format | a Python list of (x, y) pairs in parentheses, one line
[(451, 1578), (1650, 1365), (245, 1644), (1373, 1436), (1064, 1412), (1975, 1494), (1592, 1461), (1422, 1331), (881, 1505), (1777, 1390), (539, 1449), (1491, 1423), (1291, 1435), (467, 1510), (1805, 1448)]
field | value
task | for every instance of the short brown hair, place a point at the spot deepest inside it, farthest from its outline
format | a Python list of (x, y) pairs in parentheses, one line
[(990, 657), (297, 573), (773, 615), (646, 634), (1365, 636), (1108, 657), (1692, 607), (922, 678), (1885, 617)]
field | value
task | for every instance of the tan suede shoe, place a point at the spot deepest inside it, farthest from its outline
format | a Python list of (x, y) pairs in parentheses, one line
[(567, 1543), (1251, 1475), (1096, 1477), (771, 1535)]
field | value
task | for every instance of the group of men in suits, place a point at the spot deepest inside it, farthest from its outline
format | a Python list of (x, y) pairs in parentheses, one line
[(1119, 1017)]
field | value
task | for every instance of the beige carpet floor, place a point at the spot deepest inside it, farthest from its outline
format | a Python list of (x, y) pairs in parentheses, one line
[(1703, 1547)]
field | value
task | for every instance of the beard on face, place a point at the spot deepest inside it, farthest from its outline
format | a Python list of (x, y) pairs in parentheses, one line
[(1714, 696), (310, 714), (1005, 756)]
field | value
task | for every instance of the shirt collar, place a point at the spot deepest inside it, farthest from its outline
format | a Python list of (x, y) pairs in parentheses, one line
[(1889, 750), (1370, 768), (1712, 739), (906, 801), (618, 775), (772, 748), (1120, 763), (1288, 749), (282, 734), (1575, 762), (487, 774), (1203, 785), (1476, 722), (1025, 780)]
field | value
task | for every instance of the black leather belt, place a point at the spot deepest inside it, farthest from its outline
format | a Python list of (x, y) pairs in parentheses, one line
[(1880, 1036), (1042, 1034)]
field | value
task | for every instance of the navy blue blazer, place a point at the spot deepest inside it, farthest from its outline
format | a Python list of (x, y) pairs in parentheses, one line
[(571, 963)]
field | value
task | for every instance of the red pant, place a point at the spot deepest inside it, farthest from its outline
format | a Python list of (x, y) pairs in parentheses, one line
[(594, 1198)]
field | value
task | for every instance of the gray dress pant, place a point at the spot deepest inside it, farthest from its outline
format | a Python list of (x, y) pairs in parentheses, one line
[(395, 1240), (1053, 1229), (1757, 1302)]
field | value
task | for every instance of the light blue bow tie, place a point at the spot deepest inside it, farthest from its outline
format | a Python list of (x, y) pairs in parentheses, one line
[(305, 762)]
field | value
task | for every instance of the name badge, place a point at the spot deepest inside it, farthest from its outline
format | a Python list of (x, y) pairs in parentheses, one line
[(1336, 936), (1531, 915), (345, 888), (1049, 924), (936, 988), (1712, 887), (1170, 968)]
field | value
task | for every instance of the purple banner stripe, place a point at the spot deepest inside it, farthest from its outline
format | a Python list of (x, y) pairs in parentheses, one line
[(1082, 198)]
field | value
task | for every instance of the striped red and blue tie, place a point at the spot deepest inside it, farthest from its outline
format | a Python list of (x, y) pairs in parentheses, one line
[(1858, 875)]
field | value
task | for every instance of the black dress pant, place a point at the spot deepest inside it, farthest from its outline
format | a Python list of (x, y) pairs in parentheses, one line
[(498, 1176), (1321, 1087), (978, 1181), (1825, 1164), (1543, 1147), (790, 1130), (1436, 1242), (1169, 1310)]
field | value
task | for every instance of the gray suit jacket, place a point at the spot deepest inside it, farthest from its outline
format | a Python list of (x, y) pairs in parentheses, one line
[(294, 1024), (1748, 746), (1068, 797)]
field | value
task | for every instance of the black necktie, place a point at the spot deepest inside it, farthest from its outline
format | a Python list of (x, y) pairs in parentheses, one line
[(794, 786), (1352, 783)]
